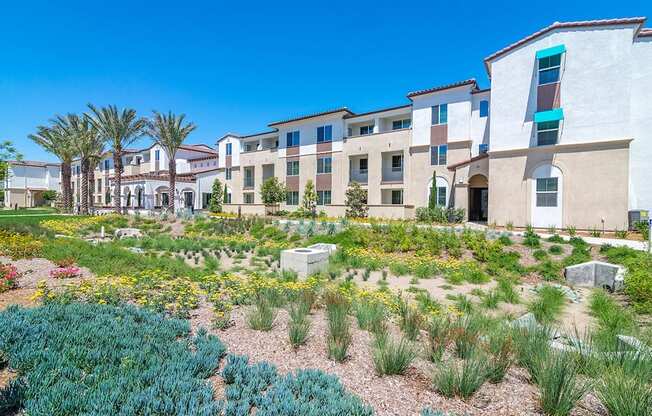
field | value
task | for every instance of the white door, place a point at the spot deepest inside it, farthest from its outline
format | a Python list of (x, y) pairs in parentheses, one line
[(547, 186)]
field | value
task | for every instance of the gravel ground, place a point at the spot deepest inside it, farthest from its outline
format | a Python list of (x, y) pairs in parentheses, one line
[(388, 395)]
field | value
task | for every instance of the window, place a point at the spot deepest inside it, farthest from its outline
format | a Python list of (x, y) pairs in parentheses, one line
[(248, 147), (249, 177), (483, 148), (364, 130), (107, 164), (440, 114), (293, 168), (547, 132), (401, 124), (438, 155), (546, 192), (549, 68), (78, 169), (107, 197), (228, 197), (99, 186), (441, 196), (323, 197), (292, 198), (139, 160), (364, 165), (157, 155), (397, 196), (325, 165), (248, 198), (397, 163), (229, 173), (484, 108), (324, 134), (292, 138), (205, 199), (229, 149)]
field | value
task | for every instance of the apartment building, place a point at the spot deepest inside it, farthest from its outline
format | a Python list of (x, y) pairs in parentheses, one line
[(25, 181), (565, 126), (562, 137)]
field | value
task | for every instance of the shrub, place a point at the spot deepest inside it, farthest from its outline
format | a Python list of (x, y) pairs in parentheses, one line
[(439, 331), (595, 232), (356, 197), (272, 191), (299, 324), (540, 254), (556, 238), (8, 277), (624, 395), (531, 239), (556, 250), (548, 304), (505, 240), (622, 234), (550, 270), (491, 299), (643, 227), (110, 360), (638, 280), (506, 290), (65, 272), (463, 380), (559, 386), (571, 230), (261, 316), (392, 357), (215, 203), (19, 246)]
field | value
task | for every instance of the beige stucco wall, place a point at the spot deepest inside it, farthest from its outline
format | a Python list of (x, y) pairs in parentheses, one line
[(595, 178)]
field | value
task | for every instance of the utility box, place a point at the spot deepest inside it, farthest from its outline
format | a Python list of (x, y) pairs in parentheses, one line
[(637, 216)]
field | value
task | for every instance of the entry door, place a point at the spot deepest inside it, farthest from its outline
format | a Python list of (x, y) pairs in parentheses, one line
[(188, 199)]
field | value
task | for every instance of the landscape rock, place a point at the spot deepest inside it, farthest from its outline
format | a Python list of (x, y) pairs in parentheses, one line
[(596, 274), (121, 233)]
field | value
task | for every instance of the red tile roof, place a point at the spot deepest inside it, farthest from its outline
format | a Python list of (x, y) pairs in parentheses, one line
[(562, 25), (645, 32), (466, 162), (470, 81)]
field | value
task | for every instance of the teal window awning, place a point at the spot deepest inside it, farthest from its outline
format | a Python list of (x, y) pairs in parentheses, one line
[(550, 115), (555, 50)]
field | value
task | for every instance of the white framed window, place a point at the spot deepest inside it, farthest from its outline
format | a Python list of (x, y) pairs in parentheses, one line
[(248, 197), (249, 177), (547, 133), (441, 196), (363, 165), (401, 124), (323, 197), (324, 165), (438, 155), (439, 114), (397, 163), (397, 196), (324, 134), (229, 173), (293, 168), (365, 130), (292, 138), (549, 69), (229, 149), (547, 189), (292, 198)]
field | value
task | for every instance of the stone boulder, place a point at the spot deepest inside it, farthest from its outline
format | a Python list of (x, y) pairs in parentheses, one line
[(121, 233)]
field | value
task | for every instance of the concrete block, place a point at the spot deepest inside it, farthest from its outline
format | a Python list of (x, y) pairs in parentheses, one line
[(121, 233), (596, 274), (304, 261), (331, 248)]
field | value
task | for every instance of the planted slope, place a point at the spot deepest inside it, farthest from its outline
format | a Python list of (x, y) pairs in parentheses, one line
[(104, 360)]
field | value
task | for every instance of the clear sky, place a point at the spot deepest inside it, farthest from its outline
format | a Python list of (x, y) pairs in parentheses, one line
[(237, 66)]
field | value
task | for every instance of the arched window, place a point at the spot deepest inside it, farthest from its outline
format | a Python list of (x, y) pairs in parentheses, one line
[(442, 191)]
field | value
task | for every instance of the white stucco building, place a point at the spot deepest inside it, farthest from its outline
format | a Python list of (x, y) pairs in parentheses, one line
[(26, 181)]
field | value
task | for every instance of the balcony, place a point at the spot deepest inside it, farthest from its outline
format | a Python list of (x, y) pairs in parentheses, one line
[(359, 169), (248, 182), (392, 167)]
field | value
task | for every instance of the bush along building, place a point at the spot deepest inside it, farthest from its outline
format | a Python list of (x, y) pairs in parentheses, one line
[(563, 137)]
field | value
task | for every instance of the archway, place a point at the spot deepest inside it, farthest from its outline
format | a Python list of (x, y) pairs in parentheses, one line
[(140, 197), (443, 192), (478, 198)]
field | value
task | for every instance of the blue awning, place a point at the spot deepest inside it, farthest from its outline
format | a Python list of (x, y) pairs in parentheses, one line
[(550, 115), (555, 50)]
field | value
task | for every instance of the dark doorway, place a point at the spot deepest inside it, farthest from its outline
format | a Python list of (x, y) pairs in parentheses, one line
[(478, 204)]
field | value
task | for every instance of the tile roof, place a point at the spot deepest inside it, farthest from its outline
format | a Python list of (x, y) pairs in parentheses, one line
[(645, 32), (382, 110), (34, 163), (323, 113), (470, 81), (562, 25)]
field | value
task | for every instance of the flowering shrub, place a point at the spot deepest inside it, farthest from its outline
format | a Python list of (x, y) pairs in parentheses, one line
[(8, 277), (82, 225), (19, 246), (65, 272)]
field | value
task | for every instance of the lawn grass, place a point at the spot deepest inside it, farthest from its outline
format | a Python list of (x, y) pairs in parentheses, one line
[(30, 224), (27, 211)]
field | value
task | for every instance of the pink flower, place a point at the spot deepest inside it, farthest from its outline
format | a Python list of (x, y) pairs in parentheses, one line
[(65, 272), (8, 276)]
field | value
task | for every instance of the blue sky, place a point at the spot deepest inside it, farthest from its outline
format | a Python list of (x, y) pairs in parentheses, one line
[(237, 66)]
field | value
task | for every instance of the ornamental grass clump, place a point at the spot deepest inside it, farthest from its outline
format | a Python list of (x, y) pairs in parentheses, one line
[(299, 324), (460, 380), (548, 304), (391, 356), (411, 320), (439, 331), (371, 315), (625, 395), (501, 353), (466, 335), (559, 385), (339, 337), (262, 314), (532, 347)]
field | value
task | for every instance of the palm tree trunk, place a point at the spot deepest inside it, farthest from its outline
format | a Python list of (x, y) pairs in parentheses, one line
[(117, 172), (91, 186), (84, 186), (66, 187), (172, 170)]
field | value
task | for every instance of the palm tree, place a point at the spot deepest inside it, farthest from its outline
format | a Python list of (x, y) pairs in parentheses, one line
[(89, 145), (169, 132), (120, 129), (56, 141)]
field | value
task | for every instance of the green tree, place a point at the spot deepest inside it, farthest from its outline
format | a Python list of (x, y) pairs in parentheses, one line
[(169, 131), (309, 201), (120, 129), (215, 204), (226, 194), (356, 201), (55, 140), (432, 201), (89, 145), (272, 191)]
